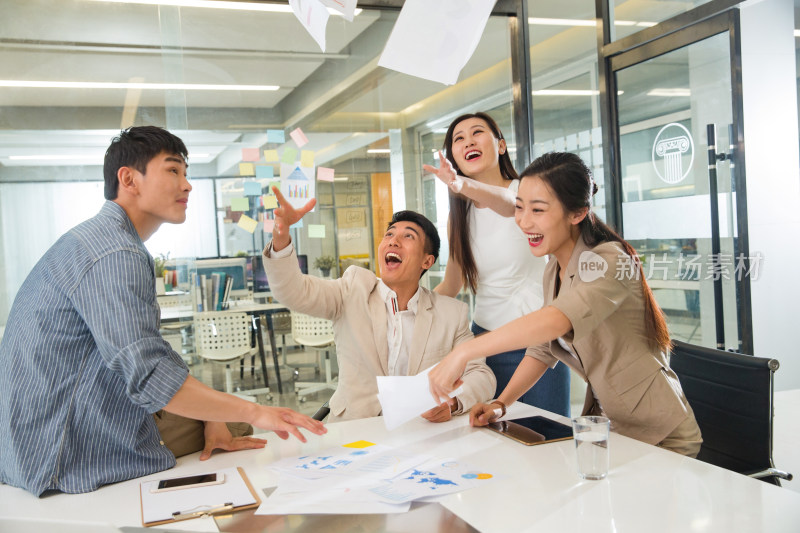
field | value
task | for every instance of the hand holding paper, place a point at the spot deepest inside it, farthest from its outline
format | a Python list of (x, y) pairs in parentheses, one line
[(285, 216), (405, 397)]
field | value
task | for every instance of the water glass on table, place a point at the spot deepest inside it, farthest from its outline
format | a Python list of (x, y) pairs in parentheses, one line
[(591, 445)]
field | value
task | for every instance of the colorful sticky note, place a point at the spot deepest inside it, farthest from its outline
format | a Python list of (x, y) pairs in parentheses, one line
[(264, 171), (240, 204), (270, 201), (269, 225), (289, 155), (276, 136), (324, 174), (306, 158), (298, 224), (252, 188), (247, 224), (271, 155), (359, 444), (273, 183), (247, 169), (299, 137), (316, 231), (251, 154)]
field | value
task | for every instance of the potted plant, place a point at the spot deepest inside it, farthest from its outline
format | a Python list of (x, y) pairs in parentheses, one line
[(324, 263)]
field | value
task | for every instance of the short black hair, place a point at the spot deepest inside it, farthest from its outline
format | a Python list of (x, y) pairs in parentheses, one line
[(135, 147), (432, 241)]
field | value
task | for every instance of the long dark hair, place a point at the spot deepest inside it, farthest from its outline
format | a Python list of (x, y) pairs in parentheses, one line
[(458, 224), (571, 181)]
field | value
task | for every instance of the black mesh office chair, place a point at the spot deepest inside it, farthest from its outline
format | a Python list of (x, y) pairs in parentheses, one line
[(731, 395)]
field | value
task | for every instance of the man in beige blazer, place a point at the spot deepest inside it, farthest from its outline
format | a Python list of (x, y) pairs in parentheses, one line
[(382, 327)]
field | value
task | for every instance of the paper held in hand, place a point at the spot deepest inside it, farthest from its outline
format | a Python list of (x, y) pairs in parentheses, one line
[(403, 398)]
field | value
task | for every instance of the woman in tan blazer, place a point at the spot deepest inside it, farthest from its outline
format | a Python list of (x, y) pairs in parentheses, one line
[(599, 317)]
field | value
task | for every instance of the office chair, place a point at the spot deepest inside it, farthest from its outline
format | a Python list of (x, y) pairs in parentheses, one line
[(224, 337), (315, 333), (731, 395)]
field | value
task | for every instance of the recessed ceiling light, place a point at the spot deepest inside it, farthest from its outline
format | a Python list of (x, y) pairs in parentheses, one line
[(128, 85), (219, 4), (673, 91)]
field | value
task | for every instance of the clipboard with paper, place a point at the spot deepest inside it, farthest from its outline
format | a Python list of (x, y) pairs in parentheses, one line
[(234, 494)]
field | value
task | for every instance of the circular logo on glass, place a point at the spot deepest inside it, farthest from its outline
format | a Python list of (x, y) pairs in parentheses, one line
[(673, 143)]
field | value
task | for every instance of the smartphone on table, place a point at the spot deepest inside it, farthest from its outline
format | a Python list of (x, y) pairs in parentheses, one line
[(189, 482), (532, 430)]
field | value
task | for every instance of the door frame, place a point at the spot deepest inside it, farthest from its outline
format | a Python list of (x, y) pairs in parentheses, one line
[(683, 30)]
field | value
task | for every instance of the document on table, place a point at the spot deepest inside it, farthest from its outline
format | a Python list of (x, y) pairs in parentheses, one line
[(369, 479), (403, 398), (433, 40)]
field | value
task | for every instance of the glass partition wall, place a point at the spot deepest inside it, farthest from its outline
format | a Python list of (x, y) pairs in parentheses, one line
[(230, 82)]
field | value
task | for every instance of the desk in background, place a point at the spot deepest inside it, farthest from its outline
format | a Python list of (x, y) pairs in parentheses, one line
[(648, 489), (173, 314)]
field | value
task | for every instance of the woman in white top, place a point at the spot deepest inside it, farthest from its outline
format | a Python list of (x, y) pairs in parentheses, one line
[(486, 247)]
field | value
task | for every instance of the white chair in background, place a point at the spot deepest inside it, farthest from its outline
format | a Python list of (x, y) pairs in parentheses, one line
[(224, 337), (317, 334)]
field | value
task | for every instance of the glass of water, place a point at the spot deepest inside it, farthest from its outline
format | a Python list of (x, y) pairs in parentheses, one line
[(591, 444)]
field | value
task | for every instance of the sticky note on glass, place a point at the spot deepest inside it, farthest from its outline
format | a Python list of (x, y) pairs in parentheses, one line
[(299, 137), (240, 204), (306, 158), (359, 444), (270, 201), (289, 155), (298, 224), (252, 188), (276, 136), (265, 171), (316, 231), (251, 154), (273, 183), (247, 169), (269, 225), (271, 155), (324, 174), (247, 224)]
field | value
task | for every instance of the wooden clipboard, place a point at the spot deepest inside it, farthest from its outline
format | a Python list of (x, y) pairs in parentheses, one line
[(211, 509)]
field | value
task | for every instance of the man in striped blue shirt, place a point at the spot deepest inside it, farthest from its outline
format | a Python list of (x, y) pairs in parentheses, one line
[(82, 364)]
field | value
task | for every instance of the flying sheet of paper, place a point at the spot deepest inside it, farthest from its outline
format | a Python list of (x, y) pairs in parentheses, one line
[(324, 174), (314, 18), (265, 171), (298, 185), (403, 398), (345, 7), (276, 136), (434, 40), (248, 224)]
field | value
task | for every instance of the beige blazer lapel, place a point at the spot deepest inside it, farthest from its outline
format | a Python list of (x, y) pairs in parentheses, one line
[(377, 312), (422, 328)]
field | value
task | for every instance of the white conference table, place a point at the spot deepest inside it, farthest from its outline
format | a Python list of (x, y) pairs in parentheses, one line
[(647, 489)]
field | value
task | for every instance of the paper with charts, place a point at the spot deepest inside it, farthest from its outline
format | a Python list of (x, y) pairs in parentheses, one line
[(365, 478)]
